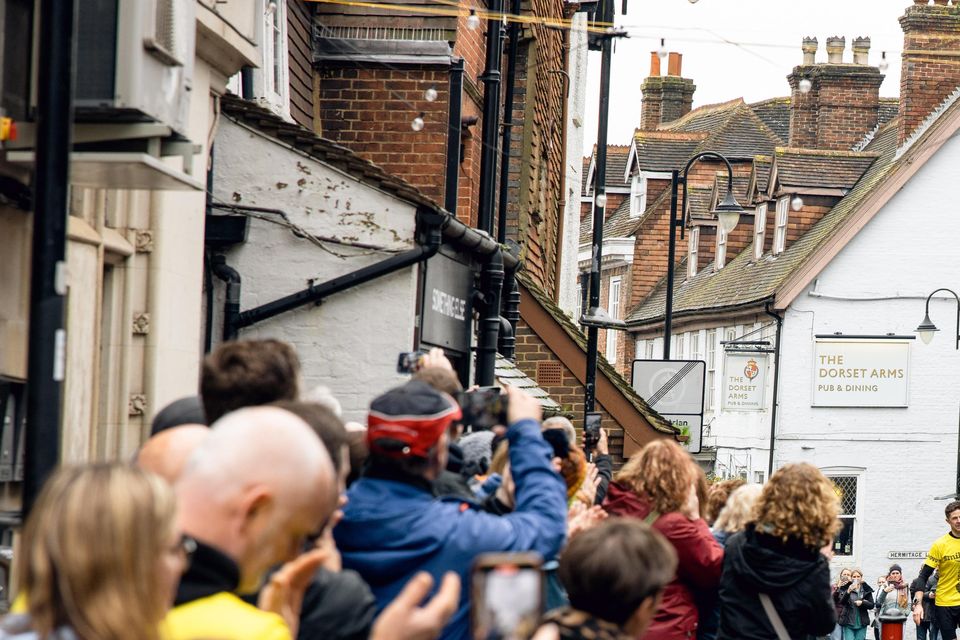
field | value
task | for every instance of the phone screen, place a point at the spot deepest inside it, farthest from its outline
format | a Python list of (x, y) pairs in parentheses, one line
[(507, 601)]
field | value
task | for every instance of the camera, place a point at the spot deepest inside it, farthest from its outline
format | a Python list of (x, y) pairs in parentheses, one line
[(409, 362), (483, 408), (591, 430)]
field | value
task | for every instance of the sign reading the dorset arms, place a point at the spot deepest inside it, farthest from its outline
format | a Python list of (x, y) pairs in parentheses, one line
[(861, 372), (447, 314), (744, 381)]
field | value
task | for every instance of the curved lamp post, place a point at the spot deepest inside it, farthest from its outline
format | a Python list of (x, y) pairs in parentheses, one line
[(927, 328), (728, 215)]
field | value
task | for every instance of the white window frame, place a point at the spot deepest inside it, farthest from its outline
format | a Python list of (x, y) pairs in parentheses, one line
[(711, 359), (695, 353), (759, 477), (693, 252), (273, 44), (613, 308), (721, 257), (759, 230), (680, 345), (648, 349), (780, 233), (638, 194)]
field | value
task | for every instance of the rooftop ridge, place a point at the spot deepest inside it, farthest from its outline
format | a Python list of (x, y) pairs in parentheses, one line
[(784, 100), (927, 123), (670, 135), (741, 109), (803, 151), (699, 111)]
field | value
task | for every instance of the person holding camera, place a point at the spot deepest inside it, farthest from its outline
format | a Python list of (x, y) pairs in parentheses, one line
[(854, 597), (394, 527)]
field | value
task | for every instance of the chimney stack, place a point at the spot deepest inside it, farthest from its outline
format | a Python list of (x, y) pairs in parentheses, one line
[(665, 98), (833, 105), (930, 69), (835, 47)]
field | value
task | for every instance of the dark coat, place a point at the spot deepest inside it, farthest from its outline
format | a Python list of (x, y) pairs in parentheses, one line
[(337, 606), (845, 601), (699, 557), (796, 578)]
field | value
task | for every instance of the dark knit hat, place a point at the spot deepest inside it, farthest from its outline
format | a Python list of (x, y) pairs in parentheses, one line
[(895, 567), (409, 420), (187, 410)]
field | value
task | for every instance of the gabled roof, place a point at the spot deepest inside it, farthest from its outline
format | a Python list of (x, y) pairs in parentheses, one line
[(743, 282), (775, 113), (699, 202), (703, 119), (616, 167), (889, 109), (803, 169), (664, 150), (741, 185), (759, 179), (742, 136), (584, 174)]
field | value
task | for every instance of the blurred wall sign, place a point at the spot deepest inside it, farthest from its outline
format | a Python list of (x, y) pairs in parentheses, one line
[(869, 371), (907, 555), (446, 311), (744, 381), (674, 389)]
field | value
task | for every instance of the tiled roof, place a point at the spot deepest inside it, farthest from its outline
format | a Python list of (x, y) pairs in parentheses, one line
[(665, 150), (507, 373), (742, 135), (706, 118), (586, 228), (740, 186), (775, 113), (889, 108), (828, 169), (743, 282), (699, 202), (616, 165), (657, 422), (761, 174)]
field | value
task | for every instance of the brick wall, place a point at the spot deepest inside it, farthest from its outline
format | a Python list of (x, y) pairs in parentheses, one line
[(930, 69), (531, 351), (799, 222), (665, 99), (840, 109), (650, 253)]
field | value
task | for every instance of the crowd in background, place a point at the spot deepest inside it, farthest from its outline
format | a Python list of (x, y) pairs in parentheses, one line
[(280, 521)]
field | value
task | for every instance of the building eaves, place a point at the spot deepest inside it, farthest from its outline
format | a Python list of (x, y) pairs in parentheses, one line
[(810, 168), (665, 151)]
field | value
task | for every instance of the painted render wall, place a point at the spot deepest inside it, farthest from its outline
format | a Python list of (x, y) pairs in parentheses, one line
[(351, 341), (904, 457)]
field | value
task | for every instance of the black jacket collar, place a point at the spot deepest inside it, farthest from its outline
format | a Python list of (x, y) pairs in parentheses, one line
[(210, 572)]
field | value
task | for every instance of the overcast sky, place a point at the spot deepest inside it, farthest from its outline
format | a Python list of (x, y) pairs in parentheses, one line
[(767, 33)]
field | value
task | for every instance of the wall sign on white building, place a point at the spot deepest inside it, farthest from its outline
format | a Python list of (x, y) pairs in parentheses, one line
[(744, 381), (907, 555), (854, 371)]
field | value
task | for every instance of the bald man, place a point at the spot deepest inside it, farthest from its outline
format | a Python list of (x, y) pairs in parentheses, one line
[(258, 487), (166, 453)]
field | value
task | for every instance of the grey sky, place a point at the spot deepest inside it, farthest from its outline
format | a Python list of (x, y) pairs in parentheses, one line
[(770, 32)]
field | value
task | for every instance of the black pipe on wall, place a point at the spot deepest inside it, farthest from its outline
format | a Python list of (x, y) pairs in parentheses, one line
[(451, 186), (491, 282)]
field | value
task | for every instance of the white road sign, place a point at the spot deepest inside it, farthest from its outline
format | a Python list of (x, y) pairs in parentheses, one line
[(674, 389)]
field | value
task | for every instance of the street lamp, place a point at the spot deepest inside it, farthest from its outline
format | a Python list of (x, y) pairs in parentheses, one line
[(927, 328), (728, 215)]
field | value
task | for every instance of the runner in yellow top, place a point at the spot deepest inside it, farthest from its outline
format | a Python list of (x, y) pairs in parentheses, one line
[(944, 555)]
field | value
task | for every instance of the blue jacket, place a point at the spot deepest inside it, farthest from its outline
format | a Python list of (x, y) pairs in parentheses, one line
[(391, 529)]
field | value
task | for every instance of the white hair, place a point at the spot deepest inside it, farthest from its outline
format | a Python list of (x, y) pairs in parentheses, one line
[(559, 422), (323, 396)]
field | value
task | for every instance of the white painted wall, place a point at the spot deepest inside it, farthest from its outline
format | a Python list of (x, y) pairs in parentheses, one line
[(905, 456), (576, 107), (351, 341)]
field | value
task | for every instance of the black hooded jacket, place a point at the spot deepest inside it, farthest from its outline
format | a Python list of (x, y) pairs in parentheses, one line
[(796, 578)]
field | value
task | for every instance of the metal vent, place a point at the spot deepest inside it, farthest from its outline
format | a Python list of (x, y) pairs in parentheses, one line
[(163, 43), (846, 488), (549, 374)]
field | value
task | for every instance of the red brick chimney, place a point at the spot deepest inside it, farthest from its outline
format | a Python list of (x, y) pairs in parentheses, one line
[(835, 104), (930, 70), (665, 98)]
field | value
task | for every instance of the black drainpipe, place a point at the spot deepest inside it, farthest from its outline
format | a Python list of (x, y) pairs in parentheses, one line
[(316, 293), (508, 123), (491, 119), (452, 182), (776, 387), (510, 305), (491, 277), (231, 306), (246, 83)]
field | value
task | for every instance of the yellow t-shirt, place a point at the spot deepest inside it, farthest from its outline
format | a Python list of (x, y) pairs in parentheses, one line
[(222, 616), (944, 556)]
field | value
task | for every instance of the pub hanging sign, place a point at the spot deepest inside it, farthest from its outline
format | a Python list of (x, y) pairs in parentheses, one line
[(744, 381)]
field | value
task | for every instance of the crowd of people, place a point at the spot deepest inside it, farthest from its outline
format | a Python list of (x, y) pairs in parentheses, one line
[(255, 512)]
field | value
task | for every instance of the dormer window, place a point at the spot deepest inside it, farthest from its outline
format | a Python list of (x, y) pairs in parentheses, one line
[(638, 195), (759, 230), (692, 252), (721, 249), (780, 233)]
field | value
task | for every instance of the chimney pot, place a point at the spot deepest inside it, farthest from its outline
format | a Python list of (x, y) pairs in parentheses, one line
[(809, 48), (675, 64), (835, 47), (861, 51), (654, 64)]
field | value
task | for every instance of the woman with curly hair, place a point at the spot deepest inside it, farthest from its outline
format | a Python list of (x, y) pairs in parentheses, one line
[(659, 486), (774, 573)]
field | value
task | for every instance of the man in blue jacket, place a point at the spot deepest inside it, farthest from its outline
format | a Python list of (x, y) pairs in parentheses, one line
[(393, 526)]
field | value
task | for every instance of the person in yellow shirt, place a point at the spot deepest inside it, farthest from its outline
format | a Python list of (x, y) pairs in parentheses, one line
[(944, 555)]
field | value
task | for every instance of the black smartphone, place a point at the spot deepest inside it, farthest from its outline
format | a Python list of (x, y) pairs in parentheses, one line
[(591, 429), (409, 361), (506, 596), (483, 408)]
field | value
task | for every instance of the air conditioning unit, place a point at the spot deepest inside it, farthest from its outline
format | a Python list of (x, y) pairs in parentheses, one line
[(135, 61)]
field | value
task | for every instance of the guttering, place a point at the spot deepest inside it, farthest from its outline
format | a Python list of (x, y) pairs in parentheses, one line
[(316, 293), (491, 277), (231, 305), (776, 387), (510, 304)]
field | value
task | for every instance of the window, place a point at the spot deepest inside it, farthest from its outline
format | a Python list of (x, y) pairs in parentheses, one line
[(692, 252), (846, 488), (695, 353), (679, 345), (759, 228), (614, 311), (721, 249), (649, 350), (274, 70), (711, 358), (758, 477), (638, 195), (780, 233), (730, 335)]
